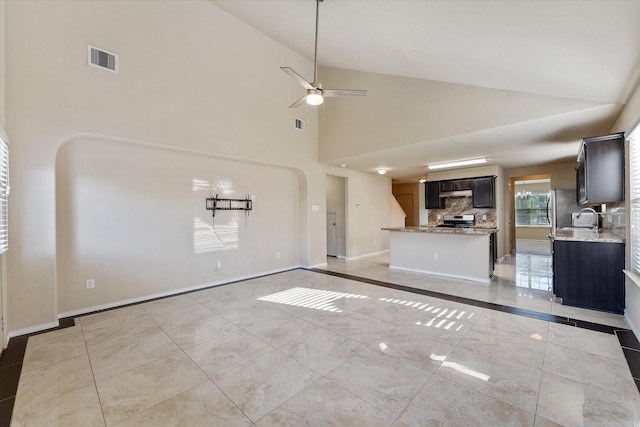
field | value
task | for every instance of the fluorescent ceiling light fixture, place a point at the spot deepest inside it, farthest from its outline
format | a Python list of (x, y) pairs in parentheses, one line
[(382, 171), (457, 163)]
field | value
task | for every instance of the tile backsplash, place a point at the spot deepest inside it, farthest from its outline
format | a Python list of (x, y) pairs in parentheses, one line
[(463, 206)]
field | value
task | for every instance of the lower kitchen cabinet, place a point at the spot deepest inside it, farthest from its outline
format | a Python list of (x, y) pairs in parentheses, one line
[(589, 274)]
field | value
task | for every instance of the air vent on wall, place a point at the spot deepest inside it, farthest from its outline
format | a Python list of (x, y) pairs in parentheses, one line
[(102, 59), (299, 124)]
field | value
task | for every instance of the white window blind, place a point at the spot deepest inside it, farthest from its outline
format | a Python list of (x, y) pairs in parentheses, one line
[(634, 183), (4, 194)]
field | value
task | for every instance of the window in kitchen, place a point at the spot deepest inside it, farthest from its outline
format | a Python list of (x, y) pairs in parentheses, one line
[(634, 181), (4, 193), (531, 208)]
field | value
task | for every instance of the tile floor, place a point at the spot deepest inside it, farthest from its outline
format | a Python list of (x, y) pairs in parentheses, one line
[(306, 348)]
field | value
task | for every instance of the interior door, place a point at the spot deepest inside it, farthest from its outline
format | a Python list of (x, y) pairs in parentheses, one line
[(331, 234), (406, 203)]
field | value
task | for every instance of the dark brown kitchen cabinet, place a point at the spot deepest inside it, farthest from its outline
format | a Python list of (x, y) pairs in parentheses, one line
[(484, 192), (600, 172), (432, 195), (589, 274)]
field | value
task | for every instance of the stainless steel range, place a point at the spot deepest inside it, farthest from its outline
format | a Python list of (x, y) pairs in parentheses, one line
[(458, 221)]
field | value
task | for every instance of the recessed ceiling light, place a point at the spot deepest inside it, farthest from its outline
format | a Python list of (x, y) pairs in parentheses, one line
[(343, 165), (458, 163), (382, 171)]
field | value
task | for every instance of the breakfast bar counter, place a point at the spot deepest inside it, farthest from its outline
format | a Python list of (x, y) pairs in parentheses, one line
[(462, 253)]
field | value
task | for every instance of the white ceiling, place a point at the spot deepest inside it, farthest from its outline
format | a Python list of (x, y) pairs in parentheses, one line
[(584, 50)]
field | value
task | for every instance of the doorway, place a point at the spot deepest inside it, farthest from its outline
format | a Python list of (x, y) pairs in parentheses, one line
[(529, 220), (331, 235), (406, 203), (336, 216)]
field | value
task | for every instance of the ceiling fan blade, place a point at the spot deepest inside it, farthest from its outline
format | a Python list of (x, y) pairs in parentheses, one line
[(343, 92), (299, 102), (305, 84)]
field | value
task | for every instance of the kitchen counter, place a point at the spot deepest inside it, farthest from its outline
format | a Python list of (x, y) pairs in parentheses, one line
[(445, 230), (462, 253), (586, 235)]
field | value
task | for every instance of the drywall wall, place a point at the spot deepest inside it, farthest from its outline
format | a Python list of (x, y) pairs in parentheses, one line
[(401, 112), (181, 85), (132, 217)]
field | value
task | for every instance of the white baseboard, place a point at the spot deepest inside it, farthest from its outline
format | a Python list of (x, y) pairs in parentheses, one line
[(366, 255), (316, 266), (32, 329), (168, 293), (435, 273)]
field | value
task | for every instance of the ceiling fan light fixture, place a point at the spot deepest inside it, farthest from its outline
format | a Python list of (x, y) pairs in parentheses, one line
[(314, 97), (457, 163)]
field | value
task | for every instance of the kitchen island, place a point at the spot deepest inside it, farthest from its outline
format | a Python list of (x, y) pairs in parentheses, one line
[(461, 253)]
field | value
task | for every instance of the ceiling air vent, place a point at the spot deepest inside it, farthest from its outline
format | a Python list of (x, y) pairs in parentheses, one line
[(102, 59), (299, 124)]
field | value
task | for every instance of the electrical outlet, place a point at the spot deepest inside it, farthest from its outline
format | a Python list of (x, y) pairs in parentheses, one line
[(435, 256), (484, 217), (218, 264), (277, 254), (89, 284)]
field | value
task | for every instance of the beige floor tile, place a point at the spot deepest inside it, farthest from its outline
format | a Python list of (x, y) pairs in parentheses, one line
[(325, 404), (260, 385), (589, 368), (499, 378), (322, 350), (414, 345), (583, 339), (215, 357), (111, 318), (201, 330), (518, 325), (494, 343), (445, 403), (594, 316), (119, 358), (166, 305), (51, 348), (281, 329), (129, 331), (359, 327), (126, 394), (79, 407), (571, 403), (384, 381), (201, 406), (37, 386), (180, 315)]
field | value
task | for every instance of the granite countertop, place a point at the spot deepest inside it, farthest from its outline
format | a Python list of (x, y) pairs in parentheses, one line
[(474, 231), (586, 235)]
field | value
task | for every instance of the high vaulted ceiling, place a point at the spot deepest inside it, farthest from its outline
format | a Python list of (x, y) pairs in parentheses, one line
[(585, 53)]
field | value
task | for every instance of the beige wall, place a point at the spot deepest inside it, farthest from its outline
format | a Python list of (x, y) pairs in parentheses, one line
[(182, 86), (629, 117), (133, 218)]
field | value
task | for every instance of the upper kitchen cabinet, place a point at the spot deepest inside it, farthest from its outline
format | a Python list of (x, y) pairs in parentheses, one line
[(600, 173), (484, 192), (432, 195)]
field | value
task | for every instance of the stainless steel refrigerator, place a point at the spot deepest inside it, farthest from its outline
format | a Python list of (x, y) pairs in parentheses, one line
[(561, 204)]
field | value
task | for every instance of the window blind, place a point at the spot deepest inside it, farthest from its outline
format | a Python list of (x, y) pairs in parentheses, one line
[(4, 195), (634, 184)]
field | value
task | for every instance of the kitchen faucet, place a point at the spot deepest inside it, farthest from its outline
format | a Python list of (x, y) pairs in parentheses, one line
[(595, 217)]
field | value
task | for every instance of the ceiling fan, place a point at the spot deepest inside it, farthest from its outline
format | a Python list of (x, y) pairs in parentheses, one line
[(315, 94)]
